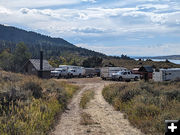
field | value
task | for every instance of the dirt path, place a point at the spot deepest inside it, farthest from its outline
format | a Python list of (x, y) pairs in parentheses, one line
[(106, 120)]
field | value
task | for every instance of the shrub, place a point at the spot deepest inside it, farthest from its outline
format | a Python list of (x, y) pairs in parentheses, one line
[(28, 105), (35, 88), (173, 95), (127, 95), (147, 111), (86, 97), (146, 105)]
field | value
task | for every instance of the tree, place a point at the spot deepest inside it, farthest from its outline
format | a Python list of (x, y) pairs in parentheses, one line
[(93, 62), (21, 56), (6, 60)]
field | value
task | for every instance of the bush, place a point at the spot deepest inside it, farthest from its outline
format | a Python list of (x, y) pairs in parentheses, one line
[(86, 97), (146, 105), (28, 105), (128, 95), (147, 111), (35, 88), (173, 95)]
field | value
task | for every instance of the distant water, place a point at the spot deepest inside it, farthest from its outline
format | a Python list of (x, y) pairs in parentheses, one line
[(173, 61)]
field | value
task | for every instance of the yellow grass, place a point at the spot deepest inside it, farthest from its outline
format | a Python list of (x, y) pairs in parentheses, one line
[(146, 104), (28, 105)]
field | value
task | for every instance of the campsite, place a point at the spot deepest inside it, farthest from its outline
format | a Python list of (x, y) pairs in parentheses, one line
[(89, 67)]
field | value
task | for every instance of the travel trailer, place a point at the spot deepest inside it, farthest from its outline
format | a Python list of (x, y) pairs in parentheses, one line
[(75, 71), (90, 72), (170, 74), (106, 72)]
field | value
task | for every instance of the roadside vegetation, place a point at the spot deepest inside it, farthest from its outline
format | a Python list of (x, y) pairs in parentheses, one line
[(86, 97), (29, 105), (146, 104)]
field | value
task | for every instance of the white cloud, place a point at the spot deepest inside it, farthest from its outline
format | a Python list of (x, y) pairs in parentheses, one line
[(36, 3), (93, 1), (4, 10), (135, 50), (96, 21)]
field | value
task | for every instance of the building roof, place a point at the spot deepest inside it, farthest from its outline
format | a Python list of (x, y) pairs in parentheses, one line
[(147, 68), (36, 64)]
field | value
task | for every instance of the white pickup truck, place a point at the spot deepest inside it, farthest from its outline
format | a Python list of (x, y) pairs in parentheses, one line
[(125, 75), (59, 72)]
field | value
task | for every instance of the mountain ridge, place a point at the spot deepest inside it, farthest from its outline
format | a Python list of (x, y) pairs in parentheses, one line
[(53, 47)]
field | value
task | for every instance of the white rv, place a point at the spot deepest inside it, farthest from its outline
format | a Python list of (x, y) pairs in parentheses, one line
[(75, 71), (166, 74), (106, 72)]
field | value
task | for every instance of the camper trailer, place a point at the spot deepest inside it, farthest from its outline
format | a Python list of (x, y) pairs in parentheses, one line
[(90, 72), (171, 74), (75, 71), (106, 72)]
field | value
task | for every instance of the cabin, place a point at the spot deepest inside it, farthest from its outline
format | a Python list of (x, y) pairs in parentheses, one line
[(145, 71), (33, 67)]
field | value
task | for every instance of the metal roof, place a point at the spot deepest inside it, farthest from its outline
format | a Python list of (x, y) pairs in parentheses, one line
[(147, 68), (36, 64)]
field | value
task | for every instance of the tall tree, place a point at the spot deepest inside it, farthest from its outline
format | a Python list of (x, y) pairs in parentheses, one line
[(6, 60), (21, 56)]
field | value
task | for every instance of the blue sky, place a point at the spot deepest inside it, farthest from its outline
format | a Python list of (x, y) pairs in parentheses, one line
[(113, 27)]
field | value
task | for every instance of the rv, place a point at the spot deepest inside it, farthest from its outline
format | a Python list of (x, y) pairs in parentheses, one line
[(171, 74), (106, 72), (90, 72), (75, 71)]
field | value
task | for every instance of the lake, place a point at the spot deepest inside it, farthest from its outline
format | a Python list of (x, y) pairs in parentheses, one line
[(173, 61)]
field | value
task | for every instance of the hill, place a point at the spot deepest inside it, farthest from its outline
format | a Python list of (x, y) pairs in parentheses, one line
[(10, 36)]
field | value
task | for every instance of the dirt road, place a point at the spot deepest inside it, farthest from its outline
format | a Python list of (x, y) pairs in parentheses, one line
[(106, 121)]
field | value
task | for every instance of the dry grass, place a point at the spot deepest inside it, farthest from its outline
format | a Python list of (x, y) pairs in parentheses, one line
[(86, 97), (146, 105), (28, 104)]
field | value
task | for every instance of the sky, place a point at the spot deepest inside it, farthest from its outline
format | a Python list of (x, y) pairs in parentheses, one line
[(113, 27)]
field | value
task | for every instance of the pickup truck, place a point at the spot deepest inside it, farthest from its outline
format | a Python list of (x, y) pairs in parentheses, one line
[(59, 72), (125, 75)]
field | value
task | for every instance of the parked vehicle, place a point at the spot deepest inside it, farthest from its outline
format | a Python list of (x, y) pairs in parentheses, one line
[(106, 72), (59, 72), (98, 71), (125, 75), (171, 74), (90, 72), (75, 71), (56, 72)]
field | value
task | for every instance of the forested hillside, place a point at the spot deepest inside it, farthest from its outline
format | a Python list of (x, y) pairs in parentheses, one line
[(52, 47)]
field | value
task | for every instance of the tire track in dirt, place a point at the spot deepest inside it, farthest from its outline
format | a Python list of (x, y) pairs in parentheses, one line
[(107, 121)]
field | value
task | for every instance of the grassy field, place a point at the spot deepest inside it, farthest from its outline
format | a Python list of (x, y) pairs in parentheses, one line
[(29, 105), (146, 105)]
